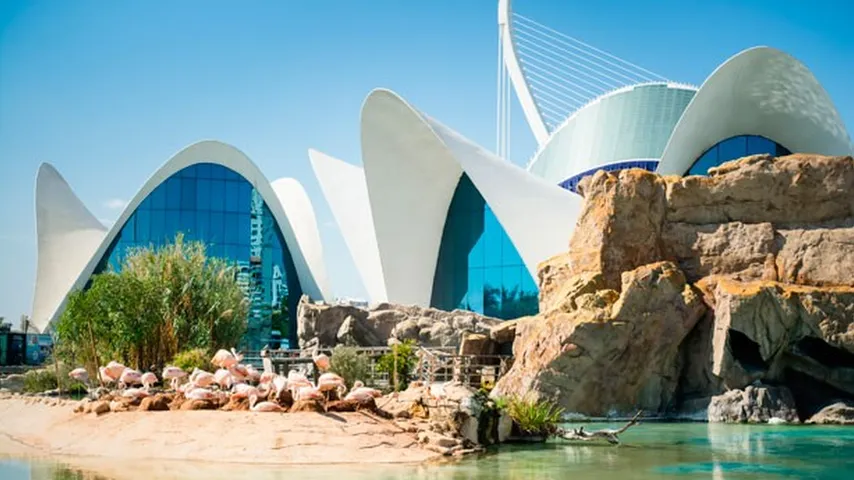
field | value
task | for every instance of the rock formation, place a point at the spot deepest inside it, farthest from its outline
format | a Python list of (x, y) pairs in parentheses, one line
[(766, 244), (330, 325), (753, 405)]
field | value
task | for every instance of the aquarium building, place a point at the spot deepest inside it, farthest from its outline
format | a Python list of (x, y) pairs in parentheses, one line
[(209, 192)]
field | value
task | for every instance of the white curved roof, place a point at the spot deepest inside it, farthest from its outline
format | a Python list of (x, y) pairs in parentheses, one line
[(630, 123), (67, 237), (345, 190), (412, 167), (760, 91), (296, 220)]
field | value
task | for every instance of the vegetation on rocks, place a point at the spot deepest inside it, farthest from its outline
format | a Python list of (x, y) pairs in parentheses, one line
[(191, 359), (350, 364), (534, 417), (398, 364), (161, 301), (37, 381)]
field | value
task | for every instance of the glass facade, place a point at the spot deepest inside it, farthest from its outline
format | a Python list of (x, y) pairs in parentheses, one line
[(215, 205), (478, 268), (571, 183), (735, 147)]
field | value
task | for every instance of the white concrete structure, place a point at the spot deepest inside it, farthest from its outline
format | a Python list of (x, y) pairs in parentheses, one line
[(632, 123), (412, 165), (71, 243), (760, 91), (345, 190)]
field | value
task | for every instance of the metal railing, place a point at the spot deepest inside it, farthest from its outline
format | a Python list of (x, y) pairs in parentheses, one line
[(475, 371)]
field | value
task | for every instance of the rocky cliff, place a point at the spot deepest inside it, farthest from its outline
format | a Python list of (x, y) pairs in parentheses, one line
[(676, 289)]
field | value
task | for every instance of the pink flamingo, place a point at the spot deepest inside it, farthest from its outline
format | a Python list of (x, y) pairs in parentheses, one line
[(263, 406), (223, 359), (322, 362), (114, 370), (173, 374), (202, 378), (224, 378), (267, 377), (309, 393), (130, 377), (80, 374), (105, 377), (148, 380), (360, 393), (239, 372), (200, 394), (280, 384), (251, 373), (135, 393)]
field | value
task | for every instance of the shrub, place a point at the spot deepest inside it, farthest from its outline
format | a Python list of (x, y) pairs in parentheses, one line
[(37, 381), (532, 417), (190, 359), (350, 364), (403, 357)]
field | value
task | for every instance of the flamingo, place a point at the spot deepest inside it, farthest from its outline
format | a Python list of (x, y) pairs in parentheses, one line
[(309, 393), (251, 374), (173, 374), (360, 393), (115, 369), (81, 375), (239, 372), (242, 390), (329, 382), (223, 359), (202, 378), (263, 406), (224, 378), (267, 377), (135, 393), (130, 377), (198, 393), (148, 380), (280, 384), (105, 377), (322, 362)]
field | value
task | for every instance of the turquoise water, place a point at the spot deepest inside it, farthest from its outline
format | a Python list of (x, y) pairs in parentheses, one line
[(650, 450)]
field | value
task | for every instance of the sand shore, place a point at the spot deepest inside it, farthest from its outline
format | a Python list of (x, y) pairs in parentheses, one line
[(28, 428)]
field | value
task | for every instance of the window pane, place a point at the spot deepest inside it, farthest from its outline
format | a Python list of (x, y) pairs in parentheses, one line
[(158, 226), (189, 172), (203, 170), (217, 228), (143, 226), (173, 193), (474, 299), (244, 198), (732, 148), (203, 226), (188, 224), (232, 191), (492, 238), (243, 229), (757, 145), (188, 194), (218, 172), (218, 195), (129, 230), (173, 225), (203, 194), (231, 228), (158, 197)]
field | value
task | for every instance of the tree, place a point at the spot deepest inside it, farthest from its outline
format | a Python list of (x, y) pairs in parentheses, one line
[(161, 301)]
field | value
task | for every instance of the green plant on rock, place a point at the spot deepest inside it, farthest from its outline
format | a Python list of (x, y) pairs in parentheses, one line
[(398, 364), (190, 359), (538, 418), (350, 364)]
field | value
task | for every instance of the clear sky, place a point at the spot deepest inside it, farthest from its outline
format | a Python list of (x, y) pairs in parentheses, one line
[(107, 91)]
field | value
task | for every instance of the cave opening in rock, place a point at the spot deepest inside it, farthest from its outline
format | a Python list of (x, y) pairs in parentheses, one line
[(746, 351), (810, 393), (824, 353)]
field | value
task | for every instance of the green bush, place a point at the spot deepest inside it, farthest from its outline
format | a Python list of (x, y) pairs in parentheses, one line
[(402, 356), (532, 417), (350, 364), (190, 359), (37, 381)]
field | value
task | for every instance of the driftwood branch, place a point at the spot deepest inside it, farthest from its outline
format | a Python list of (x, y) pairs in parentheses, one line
[(608, 434)]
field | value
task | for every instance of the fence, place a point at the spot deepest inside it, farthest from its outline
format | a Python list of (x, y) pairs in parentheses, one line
[(434, 365)]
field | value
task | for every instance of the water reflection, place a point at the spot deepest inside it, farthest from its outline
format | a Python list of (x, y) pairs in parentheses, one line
[(649, 451)]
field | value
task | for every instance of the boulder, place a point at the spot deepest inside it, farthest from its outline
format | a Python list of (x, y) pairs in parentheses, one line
[(477, 344), (838, 413), (100, 407), (307, 406), (621, 357), (504, 332), (754, 405), (437, 439), (156, 403), (356, 331), (194, 404), (322, 321)]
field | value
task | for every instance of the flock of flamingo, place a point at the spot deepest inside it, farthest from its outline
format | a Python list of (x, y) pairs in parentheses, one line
[(233, 380)]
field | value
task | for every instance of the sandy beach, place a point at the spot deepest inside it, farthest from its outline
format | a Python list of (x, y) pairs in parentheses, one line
[(30, 428)]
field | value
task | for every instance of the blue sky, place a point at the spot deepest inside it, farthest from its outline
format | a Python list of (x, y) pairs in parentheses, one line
[(108, 91)]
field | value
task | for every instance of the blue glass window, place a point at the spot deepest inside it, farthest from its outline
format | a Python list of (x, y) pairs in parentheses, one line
[(217, 206), (478, 268), (733, 148), (572, 182)]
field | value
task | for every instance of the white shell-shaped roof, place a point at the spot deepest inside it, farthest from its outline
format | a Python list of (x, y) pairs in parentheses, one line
[(630, 123), (71, 242), (760, 91)]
